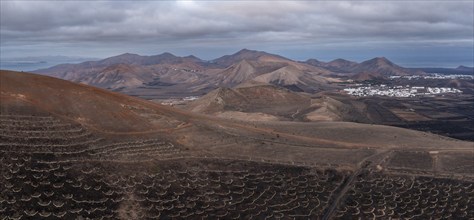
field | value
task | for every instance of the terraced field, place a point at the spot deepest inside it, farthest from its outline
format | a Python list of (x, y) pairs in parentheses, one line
[(48, 135), (55, 169), (58, 170), (402, 197), (45, 188)]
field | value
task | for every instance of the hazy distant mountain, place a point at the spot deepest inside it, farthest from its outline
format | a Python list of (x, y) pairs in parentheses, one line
[(379, 66), (458, 70), (127, 58), (164, 58), (337, 65), (52, 59), (30, 63), (465, 68), (131, 71)]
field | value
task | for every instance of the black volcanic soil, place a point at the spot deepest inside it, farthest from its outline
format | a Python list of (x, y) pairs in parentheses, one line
[(70, 151)]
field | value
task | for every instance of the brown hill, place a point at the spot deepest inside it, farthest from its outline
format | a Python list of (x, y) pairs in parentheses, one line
[(236, 74), (251, 98), (93, 107), (259, 101), (296, 79), (326, 108)]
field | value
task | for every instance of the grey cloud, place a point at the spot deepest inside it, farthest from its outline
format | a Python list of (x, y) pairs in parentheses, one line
[(240, 23), (40, 15), (104, 21)]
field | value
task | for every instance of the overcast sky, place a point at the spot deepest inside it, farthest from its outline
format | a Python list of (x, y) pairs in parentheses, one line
[(411, 33)]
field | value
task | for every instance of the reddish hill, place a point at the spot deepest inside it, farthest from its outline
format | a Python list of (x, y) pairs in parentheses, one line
[(90, 106)]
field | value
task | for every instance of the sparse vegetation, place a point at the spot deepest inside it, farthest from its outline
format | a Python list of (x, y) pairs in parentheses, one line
[(405, 197), (66, 166)]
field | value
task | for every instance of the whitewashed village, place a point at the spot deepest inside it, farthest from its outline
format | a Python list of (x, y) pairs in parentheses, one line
[(399, 91), (364, 90)]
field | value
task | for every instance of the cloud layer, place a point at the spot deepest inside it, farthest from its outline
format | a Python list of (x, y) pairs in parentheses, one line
[(227, 25)]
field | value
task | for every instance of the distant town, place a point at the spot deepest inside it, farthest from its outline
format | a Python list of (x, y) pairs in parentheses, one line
[(434, 76), (178, 101), (399, 91)]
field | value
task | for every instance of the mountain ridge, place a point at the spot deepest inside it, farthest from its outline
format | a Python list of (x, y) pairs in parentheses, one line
[(168, 72)]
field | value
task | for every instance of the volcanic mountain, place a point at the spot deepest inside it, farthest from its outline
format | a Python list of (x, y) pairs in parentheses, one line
[(138, 75), (166, 73), (169, 75), (463, 70), (236, 73), (248, 65), (383, 66), (117, 76), (249, 55), (379, 66), (337, 65)]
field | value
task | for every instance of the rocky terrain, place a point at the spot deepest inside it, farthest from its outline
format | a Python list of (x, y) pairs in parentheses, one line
[(71, 151)]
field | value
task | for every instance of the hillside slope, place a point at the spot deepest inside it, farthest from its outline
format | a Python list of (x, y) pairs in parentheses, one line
[(266, 99), (105, 111), (94, 107)]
